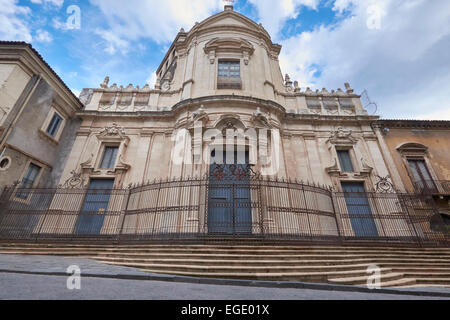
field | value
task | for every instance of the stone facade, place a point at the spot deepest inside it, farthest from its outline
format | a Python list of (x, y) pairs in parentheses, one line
[(312, 124)]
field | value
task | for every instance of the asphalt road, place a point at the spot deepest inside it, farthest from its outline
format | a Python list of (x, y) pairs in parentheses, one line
[(40, 287)]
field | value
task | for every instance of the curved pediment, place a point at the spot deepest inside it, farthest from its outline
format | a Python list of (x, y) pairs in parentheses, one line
[(229, 45), (412, 147)]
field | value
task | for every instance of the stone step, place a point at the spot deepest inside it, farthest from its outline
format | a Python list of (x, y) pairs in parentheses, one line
[(399, 283), (196, 246), (362, 280), (406, 265), (273, 276), (230, 251), (440, 281), (316, 256), (358, 268)]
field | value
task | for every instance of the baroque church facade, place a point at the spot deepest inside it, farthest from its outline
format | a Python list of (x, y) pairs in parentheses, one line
[(314, 164)]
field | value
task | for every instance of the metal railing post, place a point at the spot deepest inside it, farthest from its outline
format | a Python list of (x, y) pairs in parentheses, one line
[(332, 198), (124, 215)]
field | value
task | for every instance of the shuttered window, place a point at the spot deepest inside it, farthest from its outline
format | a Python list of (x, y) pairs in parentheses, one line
[(28, 180), (229, 75), (345, 160), (109, 157)]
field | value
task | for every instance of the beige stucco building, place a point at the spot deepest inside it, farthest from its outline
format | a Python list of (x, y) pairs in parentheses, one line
[(37, 118)]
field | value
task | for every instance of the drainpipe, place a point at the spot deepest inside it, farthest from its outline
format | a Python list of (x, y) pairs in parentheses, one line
[(19, 107)]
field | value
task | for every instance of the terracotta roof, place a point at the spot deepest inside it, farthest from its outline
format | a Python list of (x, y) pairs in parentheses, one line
[(25, 44)]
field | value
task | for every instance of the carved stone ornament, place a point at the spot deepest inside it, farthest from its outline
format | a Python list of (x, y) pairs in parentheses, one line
[(333, 169), (122, 165), (87, 164), (365, 167), (76, 181), (114, 130), (259, 117), (342, 137), (198, 115)]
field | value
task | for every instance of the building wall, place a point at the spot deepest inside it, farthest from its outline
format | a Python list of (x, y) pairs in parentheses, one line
[(13, 80), (436, 140), (30, 94)]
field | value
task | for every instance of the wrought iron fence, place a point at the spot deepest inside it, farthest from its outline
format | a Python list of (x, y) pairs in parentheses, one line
[(433, 187), (244, 207)]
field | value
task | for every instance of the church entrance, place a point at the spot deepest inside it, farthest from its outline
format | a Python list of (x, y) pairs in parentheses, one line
[(229, 201)]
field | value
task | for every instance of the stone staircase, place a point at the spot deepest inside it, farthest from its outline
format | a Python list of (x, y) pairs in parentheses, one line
[(399, 267)]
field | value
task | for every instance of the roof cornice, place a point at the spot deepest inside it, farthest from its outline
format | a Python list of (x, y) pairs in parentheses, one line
[(435, 124), (32, 61)]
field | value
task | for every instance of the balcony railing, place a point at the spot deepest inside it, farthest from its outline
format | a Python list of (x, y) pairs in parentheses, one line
[(430, 187), (217, 208)]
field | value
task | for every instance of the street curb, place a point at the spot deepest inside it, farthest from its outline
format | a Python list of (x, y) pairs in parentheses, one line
[(245, 283)]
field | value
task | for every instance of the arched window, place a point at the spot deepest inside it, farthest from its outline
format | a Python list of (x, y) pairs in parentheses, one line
[(416, 161)]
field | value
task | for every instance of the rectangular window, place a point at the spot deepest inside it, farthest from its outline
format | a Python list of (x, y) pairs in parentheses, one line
[(109, 157), (54, 125), (422, 177), (229, 75), (28, 180), (345, 160)]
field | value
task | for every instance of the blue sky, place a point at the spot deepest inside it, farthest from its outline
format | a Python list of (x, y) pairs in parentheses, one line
[(396, 49)]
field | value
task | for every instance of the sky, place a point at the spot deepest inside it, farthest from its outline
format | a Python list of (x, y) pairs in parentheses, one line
[(398, 51)]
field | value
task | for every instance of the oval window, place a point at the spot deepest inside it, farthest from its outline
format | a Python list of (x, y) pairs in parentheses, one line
[(4, 163)]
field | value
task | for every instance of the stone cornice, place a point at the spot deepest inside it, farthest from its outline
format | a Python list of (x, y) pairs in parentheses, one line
[(413, 124), (316, 118), (135, 114), (234, 98)]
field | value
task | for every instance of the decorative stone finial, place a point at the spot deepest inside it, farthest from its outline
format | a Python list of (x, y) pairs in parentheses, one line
[(348, 88), (105, 83), (158, 83), (182, 30)]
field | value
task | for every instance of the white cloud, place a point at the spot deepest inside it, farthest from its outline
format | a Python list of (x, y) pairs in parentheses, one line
[(152, 19), (113, 42), (12, 26), (152, 80), (57, 3), (437, 115), (274, 15), (43, 36), (404, 63)]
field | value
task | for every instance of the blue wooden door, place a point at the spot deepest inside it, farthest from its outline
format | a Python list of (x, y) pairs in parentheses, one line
[(359, 211), (229, 198), (95, 203)]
